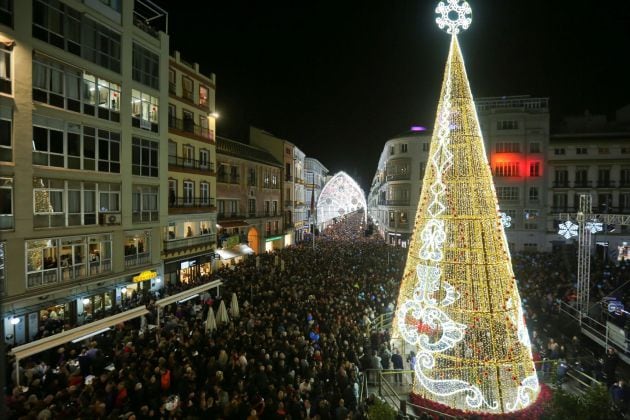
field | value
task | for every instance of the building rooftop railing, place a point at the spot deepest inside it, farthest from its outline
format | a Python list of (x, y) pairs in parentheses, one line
[(150, 17), (523, 103)]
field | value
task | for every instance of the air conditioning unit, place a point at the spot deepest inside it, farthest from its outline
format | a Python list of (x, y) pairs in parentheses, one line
[(110, 218)]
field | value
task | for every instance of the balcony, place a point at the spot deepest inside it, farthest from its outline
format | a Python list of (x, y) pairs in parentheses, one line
[(137, 259), (180, 243), (560, 184), (624, 183), (230, 216), (396, 202), (261, 214), (399, 177), (189, 126), (178, 162), (606, 184), (178, 205), (400, 225), (582, 184), (251, 182), (228, 178), (288, 178)]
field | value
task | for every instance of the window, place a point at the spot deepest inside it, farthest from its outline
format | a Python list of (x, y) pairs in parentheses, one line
[(5, 71), (624, 202), (234, 175), (187, 88), (251, 177), (508, 193), (109, 197), (581, 177), (625, 150), (423, 167), (204, 193), (172, 87), (188, 120), (144, 157), (68, 29), (146, 67), (108, 151), (507, 125), (603, 150), (144, 110), (6, 12), (624, 177), (425, 147), (137, 249), (403, 148), (274, 208), (561, 178), (204, 158), (251, 207), (534, 169), (559, 151), (188, 155), (144, 203), (507, 169), (204, 95), (6, 203), (6, 128), (508, 148), (560, 202), (189, 192), (204, 125), (100, 45), (74, 147), (534, 147), (533, 194), (603, 177), (275, 181), (58, 203), (512, 214), (74, 90), (392, 150), (48, 146), (581, 150)]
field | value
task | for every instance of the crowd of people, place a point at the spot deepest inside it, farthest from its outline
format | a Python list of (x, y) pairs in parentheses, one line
[(547, 282), (294, 351)]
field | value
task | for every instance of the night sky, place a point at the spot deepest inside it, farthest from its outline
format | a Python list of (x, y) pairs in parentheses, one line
[(339, 78)]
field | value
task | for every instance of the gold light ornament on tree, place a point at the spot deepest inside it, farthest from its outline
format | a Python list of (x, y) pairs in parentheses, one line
[(459, 307)]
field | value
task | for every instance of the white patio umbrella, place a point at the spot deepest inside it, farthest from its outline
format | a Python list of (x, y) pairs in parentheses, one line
[(234, 311), (222, 315), (211, 321)]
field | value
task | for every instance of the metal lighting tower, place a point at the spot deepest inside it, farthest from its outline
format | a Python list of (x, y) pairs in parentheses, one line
[(584, 255)]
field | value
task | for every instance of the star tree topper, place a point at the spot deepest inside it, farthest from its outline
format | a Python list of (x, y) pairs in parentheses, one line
[(453, 16)]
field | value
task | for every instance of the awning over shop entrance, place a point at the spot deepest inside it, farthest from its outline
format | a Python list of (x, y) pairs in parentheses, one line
[(235, 251), (188, 293), (29, 349)]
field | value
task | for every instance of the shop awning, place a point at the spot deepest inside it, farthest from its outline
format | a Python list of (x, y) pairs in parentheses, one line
[(188, 293), (29, 349), (236, 251), (232, 223)]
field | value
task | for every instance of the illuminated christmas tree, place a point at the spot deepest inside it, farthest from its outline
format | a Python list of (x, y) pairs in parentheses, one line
[(459, 308)]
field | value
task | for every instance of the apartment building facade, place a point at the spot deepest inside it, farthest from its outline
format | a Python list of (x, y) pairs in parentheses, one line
[(516, 135), (395, 190), (293, 209), (82, 203), (315, 177), (591, 155), (190, 236), (249, 194)]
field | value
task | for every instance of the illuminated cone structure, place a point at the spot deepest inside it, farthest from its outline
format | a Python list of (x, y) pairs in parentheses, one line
[(459, 308)]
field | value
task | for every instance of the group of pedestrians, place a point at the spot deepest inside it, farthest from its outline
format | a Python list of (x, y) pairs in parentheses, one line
[(295, 351)]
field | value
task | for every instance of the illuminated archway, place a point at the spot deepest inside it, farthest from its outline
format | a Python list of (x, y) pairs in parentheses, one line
[(341, 195)]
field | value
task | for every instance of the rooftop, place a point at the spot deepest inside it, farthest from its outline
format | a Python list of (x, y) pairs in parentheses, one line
[(245, 151)]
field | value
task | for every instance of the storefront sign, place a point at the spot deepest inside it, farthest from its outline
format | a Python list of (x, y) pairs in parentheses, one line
[(187, 264), (144, 276), (273, 238)]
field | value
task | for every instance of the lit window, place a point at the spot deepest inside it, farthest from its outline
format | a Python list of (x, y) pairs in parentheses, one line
[(203, 95), (507, 169)]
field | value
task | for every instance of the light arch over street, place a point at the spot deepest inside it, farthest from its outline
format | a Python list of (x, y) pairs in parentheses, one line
[(341, 195)]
